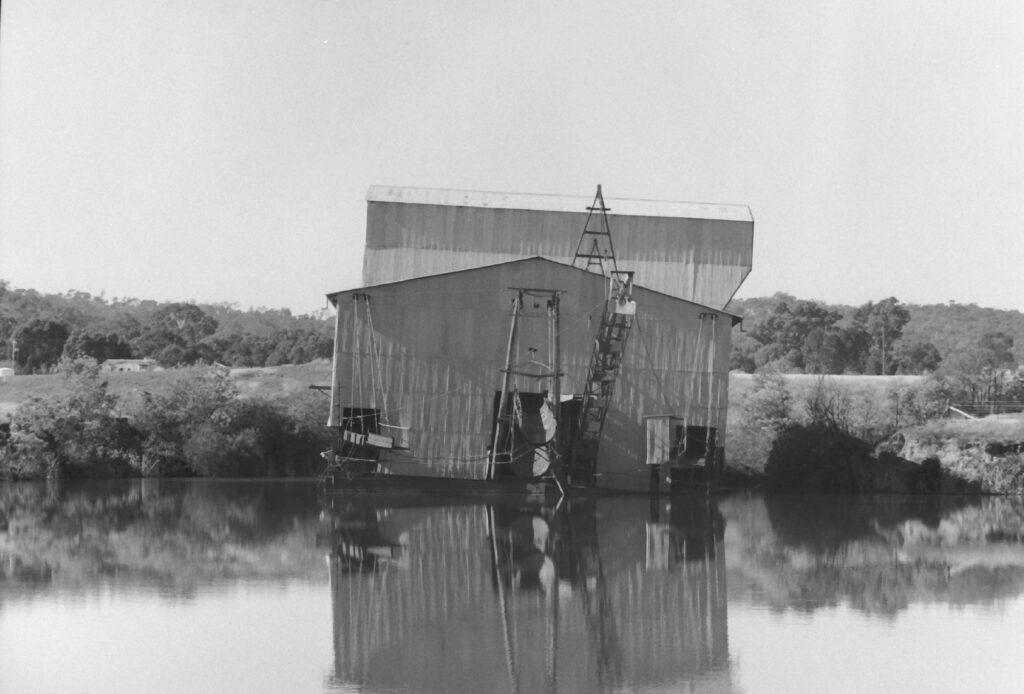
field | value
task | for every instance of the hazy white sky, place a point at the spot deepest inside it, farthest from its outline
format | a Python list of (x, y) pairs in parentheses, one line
[(220, 150)]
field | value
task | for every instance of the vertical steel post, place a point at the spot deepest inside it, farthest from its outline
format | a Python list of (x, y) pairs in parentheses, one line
[(509, 355)]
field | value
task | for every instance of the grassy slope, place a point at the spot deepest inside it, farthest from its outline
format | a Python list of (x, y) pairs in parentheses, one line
[(272, 380), (269, 380)]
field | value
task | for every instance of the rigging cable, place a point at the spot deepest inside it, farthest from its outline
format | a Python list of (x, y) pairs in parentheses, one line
[(375, 358), (693, 373), (662, 389), (711, 391), (354, 384)]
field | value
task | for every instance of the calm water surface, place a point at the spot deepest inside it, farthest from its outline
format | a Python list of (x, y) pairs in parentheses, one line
[(201, 586)]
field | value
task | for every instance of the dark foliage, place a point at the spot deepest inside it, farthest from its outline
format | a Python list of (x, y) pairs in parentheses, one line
[(174, 335), (38, 344), (816, 457), (882, 323), (96, 345), (819, 458)]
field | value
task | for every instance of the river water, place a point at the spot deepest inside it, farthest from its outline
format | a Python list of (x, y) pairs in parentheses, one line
[(216, 586)]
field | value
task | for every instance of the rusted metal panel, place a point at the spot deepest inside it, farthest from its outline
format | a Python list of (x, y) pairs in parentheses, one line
[(432, 361), (692, 251)]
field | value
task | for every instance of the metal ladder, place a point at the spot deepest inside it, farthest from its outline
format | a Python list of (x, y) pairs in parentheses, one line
[(605, 362)]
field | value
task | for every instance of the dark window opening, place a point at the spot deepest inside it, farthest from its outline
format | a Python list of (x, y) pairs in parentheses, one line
[(361, 420), (356, 423), (692, 443)]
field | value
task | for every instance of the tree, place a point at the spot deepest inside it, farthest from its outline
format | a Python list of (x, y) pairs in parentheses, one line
[(768, 405), (916, 357), (744, 349), (995, 354), (794, 335), (845, 350), (40, 342), (175, 333), (995, 351), (883, 322), (981, 374), (86, 343)]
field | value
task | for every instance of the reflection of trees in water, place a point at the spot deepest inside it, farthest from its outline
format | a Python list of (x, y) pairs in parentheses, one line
[(878, 554), (589, 596), (172, 535)]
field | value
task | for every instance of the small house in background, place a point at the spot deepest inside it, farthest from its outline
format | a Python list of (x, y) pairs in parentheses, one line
[(6, 374), (129, 365), (482, 312)]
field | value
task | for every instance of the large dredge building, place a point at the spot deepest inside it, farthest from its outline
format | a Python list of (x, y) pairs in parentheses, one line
[(422, 350)]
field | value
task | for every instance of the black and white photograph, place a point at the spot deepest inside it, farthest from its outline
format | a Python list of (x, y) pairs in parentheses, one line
[(394, 347)]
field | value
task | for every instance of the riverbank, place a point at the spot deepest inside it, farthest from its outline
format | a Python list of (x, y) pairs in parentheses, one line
[(866, 434), (785, 432), (986, 454)]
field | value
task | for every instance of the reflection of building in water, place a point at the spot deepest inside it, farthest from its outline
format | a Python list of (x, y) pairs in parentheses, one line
[(594, 595)]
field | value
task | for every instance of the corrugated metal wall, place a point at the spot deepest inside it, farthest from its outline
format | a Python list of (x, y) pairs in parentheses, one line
[(701, 260), (440, 344)]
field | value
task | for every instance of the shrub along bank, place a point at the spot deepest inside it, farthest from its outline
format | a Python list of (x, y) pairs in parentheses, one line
[(830, 438), (195, 424), (825, 434)]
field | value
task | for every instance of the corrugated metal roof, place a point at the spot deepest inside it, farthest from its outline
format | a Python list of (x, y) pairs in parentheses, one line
[(558, 203), (333, 296)]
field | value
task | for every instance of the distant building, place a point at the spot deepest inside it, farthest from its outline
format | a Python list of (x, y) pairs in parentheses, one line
[(129, 365), (6, 373)]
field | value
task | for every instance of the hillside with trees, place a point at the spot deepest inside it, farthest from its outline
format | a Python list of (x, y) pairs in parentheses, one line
[(971, 354), (789, 335), (37, 330)]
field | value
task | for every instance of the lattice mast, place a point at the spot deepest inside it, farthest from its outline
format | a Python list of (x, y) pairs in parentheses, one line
[(595, 245)]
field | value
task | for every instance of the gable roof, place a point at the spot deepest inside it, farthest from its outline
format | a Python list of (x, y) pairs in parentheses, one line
[(333, 296)]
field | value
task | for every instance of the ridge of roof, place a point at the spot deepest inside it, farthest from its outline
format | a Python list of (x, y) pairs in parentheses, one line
[(557, 203)]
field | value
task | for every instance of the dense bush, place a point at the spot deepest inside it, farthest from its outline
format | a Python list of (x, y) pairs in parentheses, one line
[(199, 425), (815, 457), (819, 458), (80, 433)]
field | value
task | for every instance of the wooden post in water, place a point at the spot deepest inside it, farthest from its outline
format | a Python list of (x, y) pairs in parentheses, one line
[(556, 379)]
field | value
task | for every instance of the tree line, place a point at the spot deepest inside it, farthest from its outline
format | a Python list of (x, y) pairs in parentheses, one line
[(37, 330), (790, 335)]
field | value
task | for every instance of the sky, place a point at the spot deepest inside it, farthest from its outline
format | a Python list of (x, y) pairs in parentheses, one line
[(221, 150)]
